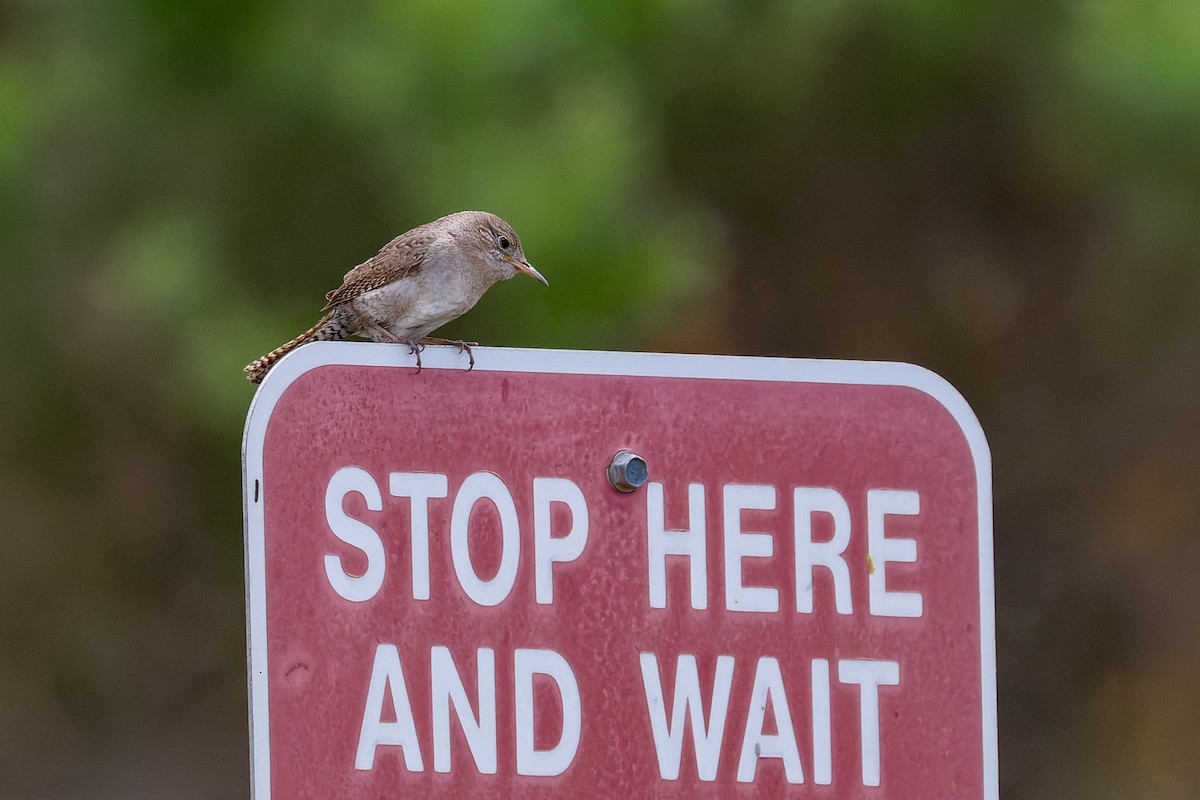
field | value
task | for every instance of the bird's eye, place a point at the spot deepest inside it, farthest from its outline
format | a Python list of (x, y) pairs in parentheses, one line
[(504, 243)]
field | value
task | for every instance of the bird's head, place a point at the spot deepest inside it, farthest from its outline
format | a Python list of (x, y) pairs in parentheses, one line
[(501, 243)]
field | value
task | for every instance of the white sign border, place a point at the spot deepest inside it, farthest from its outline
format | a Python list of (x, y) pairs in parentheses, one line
[(593, 362)]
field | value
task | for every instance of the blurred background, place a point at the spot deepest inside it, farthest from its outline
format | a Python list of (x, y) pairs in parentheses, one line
[(1006, 192)]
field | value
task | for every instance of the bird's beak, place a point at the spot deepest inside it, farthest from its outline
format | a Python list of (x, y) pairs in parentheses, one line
[(526, 268)]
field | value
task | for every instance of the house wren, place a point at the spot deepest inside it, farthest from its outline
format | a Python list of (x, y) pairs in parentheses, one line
[(419, 281)]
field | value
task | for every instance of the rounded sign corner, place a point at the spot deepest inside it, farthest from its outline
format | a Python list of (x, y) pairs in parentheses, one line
[(279, 378), (947, 395)]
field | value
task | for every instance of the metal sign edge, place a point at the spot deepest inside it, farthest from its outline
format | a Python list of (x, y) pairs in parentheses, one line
[(596, 362)]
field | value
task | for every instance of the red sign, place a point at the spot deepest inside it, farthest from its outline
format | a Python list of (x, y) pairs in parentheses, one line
[(448, 598)]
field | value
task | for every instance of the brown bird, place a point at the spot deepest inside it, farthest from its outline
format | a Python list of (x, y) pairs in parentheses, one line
[(419, 281)]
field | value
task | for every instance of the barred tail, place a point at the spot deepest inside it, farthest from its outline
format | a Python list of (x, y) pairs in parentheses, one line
[(325, 330)]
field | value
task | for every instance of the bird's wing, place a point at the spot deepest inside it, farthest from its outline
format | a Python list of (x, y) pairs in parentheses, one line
[(402, 257)]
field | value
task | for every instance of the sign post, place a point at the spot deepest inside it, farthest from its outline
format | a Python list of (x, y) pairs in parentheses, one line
[(781, 588)]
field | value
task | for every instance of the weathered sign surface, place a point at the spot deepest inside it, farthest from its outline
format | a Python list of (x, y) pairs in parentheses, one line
[(447, 598)]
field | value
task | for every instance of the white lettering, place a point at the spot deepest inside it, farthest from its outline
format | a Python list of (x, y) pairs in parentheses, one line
[(546, 548), (869, 675), (476, 487), (556, 759), (447, 689), (387, 673), (880, 503), (706, 736), (739, 545), (421, 487), (810, 554), (358, 534), (662, 543), (768, 690), (822, 724)]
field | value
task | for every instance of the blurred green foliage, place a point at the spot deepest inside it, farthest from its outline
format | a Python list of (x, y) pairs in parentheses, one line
[(1005, 191)]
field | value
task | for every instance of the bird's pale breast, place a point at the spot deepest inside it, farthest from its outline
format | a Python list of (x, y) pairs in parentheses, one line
[(414, 306)]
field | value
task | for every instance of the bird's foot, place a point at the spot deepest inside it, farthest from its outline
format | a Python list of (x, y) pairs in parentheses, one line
[(415, 348), (379, 333), (463, 347)]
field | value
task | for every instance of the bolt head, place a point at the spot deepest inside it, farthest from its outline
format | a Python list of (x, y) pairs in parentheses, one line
[(627, 471)]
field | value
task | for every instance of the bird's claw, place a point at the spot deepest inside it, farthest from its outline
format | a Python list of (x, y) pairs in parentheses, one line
[(415, 349), (463, 347)]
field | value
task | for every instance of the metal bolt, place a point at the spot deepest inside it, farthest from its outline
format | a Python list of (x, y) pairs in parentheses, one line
[(627, 471)]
